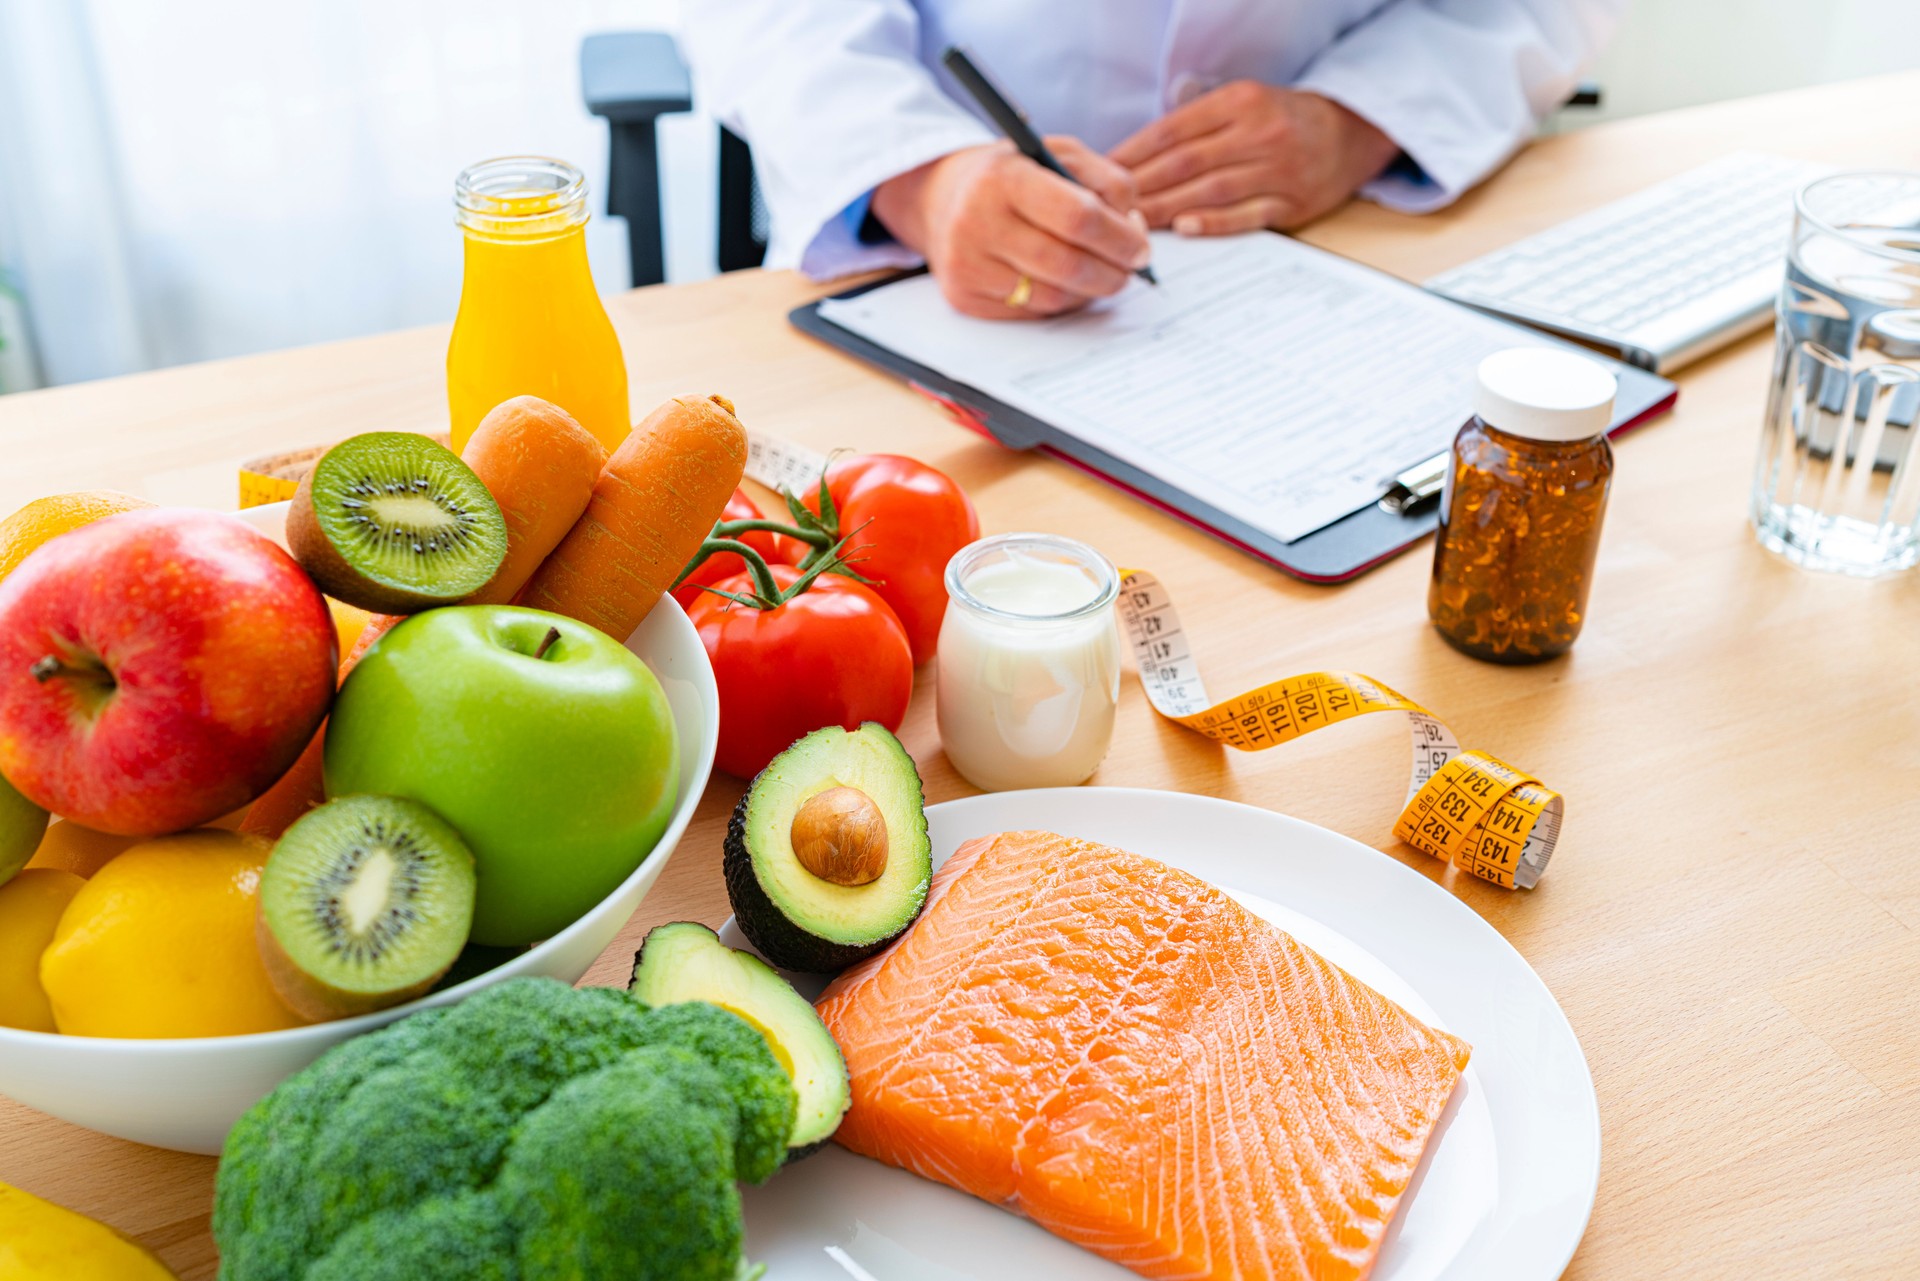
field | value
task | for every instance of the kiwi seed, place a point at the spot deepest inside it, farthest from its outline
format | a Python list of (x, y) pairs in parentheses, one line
[(364, 903), (394, 522)]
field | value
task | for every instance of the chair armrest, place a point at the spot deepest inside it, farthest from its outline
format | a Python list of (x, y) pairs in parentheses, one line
[(633, 76)]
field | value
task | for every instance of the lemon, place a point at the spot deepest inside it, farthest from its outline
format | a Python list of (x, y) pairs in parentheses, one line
[(30, 908), (43, 519), (160, 943), (41, 1241)]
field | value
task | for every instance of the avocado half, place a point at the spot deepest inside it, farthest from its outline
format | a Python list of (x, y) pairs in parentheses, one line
[(688, 962), (797, 920)]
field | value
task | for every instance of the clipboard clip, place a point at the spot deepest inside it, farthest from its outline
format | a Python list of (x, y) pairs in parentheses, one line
[(1416, 486)]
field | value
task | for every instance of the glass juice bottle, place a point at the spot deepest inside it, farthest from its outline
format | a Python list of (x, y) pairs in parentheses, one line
[(530, 321)]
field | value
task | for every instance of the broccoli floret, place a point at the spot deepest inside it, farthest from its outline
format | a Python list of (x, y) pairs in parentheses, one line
[(456, 1238), (762, 1090), (263, 1169), (418, 1129), (533, 1132), (629, 1173), (528, 1037)]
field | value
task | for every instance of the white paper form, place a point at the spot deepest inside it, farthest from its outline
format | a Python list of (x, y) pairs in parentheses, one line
[(1281, 384)]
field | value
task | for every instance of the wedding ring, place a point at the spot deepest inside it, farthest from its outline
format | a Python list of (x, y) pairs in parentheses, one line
[(1022, 292)]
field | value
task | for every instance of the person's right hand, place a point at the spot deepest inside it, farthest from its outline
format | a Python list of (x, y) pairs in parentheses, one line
[(986, 216)]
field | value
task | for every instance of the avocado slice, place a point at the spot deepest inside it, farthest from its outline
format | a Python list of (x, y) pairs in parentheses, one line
[(839, 785), (688, 962)]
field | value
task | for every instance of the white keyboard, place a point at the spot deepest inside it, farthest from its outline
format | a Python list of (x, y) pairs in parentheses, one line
[(1663, 276)]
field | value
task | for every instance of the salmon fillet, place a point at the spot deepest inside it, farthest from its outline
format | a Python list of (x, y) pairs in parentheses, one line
[(1125, 1055)]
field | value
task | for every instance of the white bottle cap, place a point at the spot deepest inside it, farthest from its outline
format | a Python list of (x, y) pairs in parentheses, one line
[(1544, 393)]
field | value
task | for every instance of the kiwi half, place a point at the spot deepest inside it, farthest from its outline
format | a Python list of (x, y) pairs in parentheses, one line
[(364, 903), (395, 523)]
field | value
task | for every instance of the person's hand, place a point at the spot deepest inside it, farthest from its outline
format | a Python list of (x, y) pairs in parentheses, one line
[(1248, 155), (984, 217)]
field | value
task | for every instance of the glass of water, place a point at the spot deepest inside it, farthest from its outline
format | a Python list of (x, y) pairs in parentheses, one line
[(1838, 482)]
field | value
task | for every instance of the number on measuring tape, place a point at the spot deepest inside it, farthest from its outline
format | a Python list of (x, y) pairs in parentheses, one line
[(1468, 808)]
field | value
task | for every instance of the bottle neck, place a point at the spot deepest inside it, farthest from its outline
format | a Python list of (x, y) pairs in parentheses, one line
[(520, 198)]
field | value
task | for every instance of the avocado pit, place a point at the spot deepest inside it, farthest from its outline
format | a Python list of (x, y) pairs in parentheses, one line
[(840, 836)]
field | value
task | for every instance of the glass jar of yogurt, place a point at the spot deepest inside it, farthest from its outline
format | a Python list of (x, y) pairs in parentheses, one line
[(1029, 661)]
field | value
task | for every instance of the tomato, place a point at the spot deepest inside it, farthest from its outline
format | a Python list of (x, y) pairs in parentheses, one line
[(833, 655), (727, 564), (914, 519)]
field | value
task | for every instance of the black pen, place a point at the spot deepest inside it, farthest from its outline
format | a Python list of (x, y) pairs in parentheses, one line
[(1011, 122)]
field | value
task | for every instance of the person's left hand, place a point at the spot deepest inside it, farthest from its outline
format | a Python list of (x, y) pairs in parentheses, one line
[(1248, 155)]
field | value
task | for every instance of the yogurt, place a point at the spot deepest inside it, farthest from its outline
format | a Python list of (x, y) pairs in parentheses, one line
[(1029, 661)]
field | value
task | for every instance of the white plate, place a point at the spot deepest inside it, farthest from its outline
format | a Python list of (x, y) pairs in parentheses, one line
[(1505, 1191)]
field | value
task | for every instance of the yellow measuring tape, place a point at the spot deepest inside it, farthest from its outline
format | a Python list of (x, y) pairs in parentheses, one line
[(1468, 808), (273, 478)]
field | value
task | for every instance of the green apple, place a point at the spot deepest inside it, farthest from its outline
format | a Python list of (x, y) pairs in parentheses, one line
[(22, 824), (549, 747)]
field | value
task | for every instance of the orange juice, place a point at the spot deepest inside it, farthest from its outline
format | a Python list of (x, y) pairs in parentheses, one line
[(530, 321)]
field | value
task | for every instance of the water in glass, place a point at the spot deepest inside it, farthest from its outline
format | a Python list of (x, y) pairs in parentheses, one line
[(1838, 481)]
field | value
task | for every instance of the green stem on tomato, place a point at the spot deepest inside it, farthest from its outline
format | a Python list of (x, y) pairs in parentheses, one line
[(727, 531), (735, 528), (844, 565), (767, 593), (764, 584), (834, 563)]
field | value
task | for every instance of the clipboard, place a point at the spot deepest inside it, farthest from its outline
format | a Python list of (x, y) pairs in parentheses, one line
[(1334, 553)]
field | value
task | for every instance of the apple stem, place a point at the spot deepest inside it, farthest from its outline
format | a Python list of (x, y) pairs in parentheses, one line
[(546, 642), (47, 668)]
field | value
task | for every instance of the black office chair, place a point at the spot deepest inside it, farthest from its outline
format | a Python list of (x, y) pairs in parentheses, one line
[(632, 78)]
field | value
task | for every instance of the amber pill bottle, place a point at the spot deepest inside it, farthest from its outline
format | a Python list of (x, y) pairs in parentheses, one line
[(1521, 512)]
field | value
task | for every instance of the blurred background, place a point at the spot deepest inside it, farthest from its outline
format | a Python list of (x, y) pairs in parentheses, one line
[(210, 178)]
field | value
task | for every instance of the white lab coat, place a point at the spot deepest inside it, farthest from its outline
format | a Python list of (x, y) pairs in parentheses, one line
[(836, 96)]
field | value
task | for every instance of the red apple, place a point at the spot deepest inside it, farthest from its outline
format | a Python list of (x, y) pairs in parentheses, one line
[(158, 669)]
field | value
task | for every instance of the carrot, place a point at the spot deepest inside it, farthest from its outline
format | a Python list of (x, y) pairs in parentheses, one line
[(652, 507), (540, 466)]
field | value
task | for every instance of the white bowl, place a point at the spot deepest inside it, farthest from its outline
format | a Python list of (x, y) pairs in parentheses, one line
[(187, 1093)]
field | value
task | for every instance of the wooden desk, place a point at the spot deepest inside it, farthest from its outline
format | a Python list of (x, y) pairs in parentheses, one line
[(1731, 919)]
